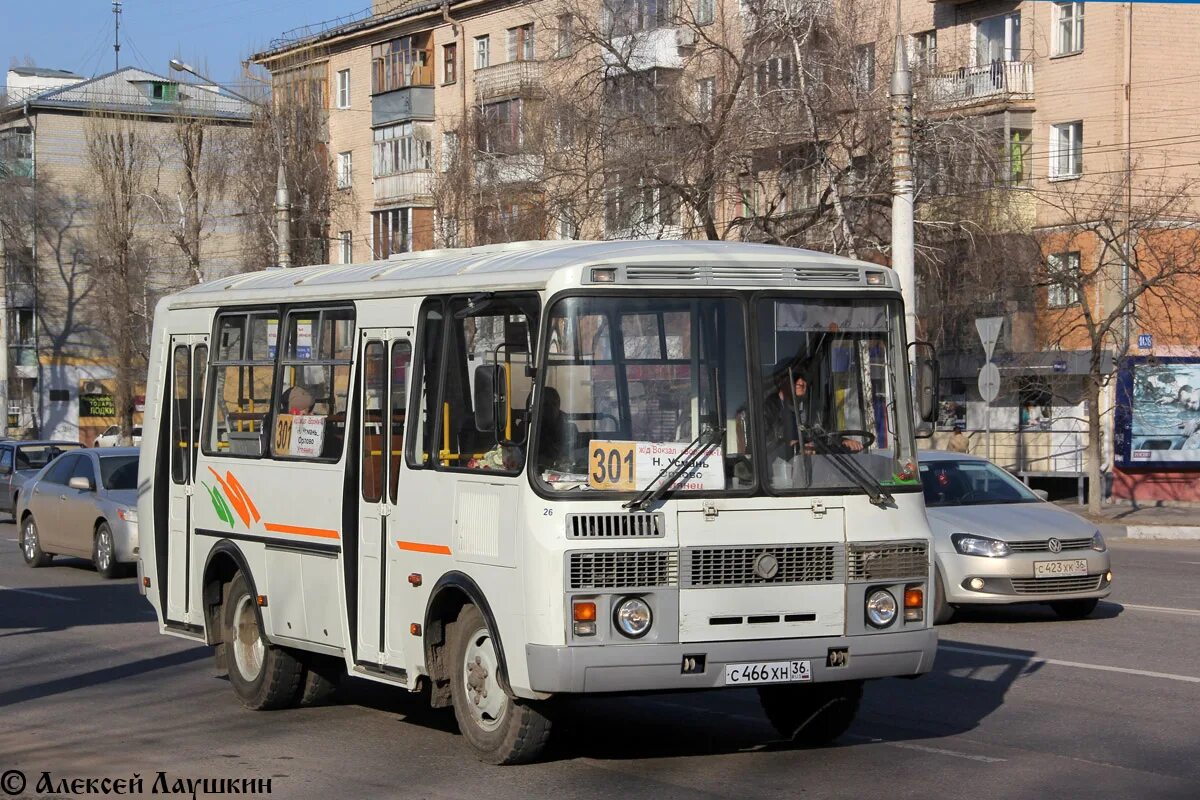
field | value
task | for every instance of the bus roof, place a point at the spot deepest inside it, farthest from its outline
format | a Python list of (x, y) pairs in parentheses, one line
[(531, 265)]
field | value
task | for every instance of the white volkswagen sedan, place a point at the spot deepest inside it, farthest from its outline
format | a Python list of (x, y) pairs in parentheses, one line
[(996, 542)]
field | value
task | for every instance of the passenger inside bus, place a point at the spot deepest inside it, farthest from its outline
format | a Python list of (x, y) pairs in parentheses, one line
[(298, 400), (558, 435)]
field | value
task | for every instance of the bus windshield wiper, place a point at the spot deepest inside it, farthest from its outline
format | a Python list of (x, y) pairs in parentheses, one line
[(850, 468), (679, 465)]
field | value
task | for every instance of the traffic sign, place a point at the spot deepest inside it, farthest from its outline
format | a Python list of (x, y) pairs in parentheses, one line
[(989, 382), (989, 332)]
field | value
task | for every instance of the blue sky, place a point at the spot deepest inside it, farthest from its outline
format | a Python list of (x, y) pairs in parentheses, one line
[(77, 34)]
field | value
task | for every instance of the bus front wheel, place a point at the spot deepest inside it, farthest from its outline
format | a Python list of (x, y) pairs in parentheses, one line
[(501, 729), (811, 714), (264, 676)]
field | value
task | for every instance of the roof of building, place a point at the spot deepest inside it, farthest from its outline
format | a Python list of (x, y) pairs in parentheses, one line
[(128, 91), (534, 264), (44, 72), (366, 19)]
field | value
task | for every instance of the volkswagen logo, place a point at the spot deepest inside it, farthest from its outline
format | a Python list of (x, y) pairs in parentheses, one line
[(766, 566), (1054, 545)]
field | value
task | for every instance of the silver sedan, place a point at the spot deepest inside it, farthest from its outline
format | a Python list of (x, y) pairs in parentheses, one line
[(83, 504), (997, 542)]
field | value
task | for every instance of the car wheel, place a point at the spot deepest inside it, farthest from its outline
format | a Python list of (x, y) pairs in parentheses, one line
[(1074, 609), (104, 552), (811, 714), (264, 676), (943, 612), (501, 729), (31, 545)]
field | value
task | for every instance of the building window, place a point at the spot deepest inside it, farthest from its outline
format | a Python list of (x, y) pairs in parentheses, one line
[(520, 43), (923, 51), (164, 92), (500, 127), (346, 246), (773, 74), (343, 88), (998, 39), (402, 148), (449, 63), (864, 68), (482, 52), (1064, 279), (1068, 28), (704, 11), (625, 17), (1020, 152), (705, 93), (1066, 150), (566, 35), (391, 231), (345, 176)]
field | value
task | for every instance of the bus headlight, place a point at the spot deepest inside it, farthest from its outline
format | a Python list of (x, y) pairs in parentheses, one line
[(633, 617), (881, 608)]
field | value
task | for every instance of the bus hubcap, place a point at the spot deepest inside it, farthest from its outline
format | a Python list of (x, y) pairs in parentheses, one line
[(247, 644), (485, 698)]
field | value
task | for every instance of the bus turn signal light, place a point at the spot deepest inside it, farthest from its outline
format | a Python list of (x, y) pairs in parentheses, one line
[(914, 604), (583, 615), (146, 582)]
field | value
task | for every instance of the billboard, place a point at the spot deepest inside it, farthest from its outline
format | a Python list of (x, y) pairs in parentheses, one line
[(1158, 413)]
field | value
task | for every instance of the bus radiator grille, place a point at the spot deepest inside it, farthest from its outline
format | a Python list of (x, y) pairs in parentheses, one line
[(641, 525), (765, 565), (875, 561), (623, 569)]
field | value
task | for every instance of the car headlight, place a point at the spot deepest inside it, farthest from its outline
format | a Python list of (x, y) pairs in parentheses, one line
[(971, 545), (633, 617), (881, 608), (1098, 543), (127, 514)]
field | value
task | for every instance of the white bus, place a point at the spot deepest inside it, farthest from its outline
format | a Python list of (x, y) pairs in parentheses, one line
[(513, 472)]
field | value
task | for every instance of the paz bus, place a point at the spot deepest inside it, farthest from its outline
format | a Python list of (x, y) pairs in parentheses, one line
[(508, 473)]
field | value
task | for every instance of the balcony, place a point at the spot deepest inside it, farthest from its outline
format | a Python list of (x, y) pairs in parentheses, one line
[(494, 169), (415, 186), (998, 82), (402, 86), (658, 48), (513, 79)]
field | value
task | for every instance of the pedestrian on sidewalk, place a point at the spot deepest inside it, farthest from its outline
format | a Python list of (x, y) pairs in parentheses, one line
[(958, 441)]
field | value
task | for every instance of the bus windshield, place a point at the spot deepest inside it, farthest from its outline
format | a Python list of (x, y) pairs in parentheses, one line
[(830, 378), (630, 382)]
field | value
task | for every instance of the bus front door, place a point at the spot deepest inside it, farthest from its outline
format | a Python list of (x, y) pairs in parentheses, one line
[(189, 360), (385, 363)]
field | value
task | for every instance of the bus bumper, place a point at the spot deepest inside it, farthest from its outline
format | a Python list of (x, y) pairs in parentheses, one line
[(655, 667)]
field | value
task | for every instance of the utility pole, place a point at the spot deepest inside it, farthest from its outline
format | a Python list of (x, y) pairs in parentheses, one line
[(283, 224), (903, 254), (116, 5)]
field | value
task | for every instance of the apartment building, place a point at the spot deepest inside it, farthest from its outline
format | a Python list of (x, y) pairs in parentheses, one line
[(56, 361), (1075, 99)]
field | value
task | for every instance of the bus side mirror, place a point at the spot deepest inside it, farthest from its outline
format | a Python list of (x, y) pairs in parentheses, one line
[(490, 400), (925, 387)]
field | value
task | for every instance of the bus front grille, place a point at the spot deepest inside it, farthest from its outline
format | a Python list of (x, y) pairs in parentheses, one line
[(764, 565), (875, 561), (623, 569), (636, 524)]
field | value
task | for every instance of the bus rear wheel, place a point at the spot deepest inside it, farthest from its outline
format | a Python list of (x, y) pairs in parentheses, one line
[(501, 729), (811, 714), (264, 676)]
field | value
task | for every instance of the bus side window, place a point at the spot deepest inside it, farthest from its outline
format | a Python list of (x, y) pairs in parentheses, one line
[(313, 391), (239, 402), (424, 446)]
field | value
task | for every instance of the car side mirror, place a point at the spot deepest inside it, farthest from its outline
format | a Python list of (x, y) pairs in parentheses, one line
[(81, 483), (5, 469), (1042, 494), (925, 387)]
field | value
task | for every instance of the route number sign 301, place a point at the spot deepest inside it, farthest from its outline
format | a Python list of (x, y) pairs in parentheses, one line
[(625, 466)]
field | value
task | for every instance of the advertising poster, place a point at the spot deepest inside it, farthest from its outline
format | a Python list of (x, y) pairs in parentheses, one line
[(1158, 413)]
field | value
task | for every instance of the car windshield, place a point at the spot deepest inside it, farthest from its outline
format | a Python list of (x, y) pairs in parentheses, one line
[(971, 483), (631, 382), (828, 372), (36, 456), (118, 472)]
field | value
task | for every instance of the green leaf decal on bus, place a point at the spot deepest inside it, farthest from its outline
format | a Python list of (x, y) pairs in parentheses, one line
[(219, 504)]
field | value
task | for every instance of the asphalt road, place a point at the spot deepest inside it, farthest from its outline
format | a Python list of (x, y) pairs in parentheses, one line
[(1019, 705)]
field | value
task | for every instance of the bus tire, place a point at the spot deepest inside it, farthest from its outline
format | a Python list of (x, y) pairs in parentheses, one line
[(811, 714), (31, 545), (501, 729), (264, 676), (322, 676)]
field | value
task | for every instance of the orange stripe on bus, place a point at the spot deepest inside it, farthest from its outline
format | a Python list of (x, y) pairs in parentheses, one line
[(236, 485), (235, 499), (420, 547), (299, 530)]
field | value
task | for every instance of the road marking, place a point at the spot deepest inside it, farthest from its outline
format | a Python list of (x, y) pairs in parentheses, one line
[(18, 541), (51, 595), (1191, 612), (1080, 665), (940, 751)]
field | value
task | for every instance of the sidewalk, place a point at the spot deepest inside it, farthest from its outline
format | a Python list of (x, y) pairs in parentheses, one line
[(1142, 522)]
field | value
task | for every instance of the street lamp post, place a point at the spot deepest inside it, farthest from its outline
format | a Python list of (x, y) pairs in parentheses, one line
[(283, 203)]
